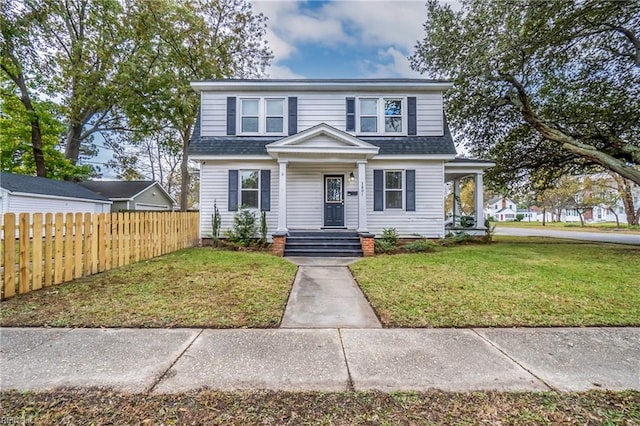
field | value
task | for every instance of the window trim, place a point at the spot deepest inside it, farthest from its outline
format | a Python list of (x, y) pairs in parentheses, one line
[(262, 115), (241, 205), (402, 190), (381, 128)]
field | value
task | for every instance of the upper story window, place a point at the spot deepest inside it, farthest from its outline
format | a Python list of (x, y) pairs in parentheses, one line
[(381, 115), (262, 115)]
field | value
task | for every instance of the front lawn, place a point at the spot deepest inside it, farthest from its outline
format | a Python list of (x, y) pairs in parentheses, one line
[(320, 408), (514, 282), (198, 287)]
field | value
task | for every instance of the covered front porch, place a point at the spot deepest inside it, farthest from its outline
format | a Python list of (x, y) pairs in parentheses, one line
[(455, 171), (322, 180)]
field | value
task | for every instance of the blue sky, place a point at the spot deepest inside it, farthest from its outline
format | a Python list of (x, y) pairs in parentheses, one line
[(342, 39)]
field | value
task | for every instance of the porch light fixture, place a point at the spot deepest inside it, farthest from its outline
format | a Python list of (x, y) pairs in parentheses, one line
[(352, 177)]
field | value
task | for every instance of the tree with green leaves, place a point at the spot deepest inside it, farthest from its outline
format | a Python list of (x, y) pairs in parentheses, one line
[(543, 88)]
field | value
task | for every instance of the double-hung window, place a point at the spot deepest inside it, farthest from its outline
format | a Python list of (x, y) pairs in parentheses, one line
[(393, 189), (381, 115), (249, 189), (262, 115)]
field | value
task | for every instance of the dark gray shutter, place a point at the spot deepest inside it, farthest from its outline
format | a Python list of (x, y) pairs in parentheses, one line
[(412, 125), (351, 115), (378, 190), (411, 190), (231, 115), (293, 115), (233, 190), (265, 190)]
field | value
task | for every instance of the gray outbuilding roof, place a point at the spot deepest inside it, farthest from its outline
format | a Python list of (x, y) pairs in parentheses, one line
[(116, 188), (42, 186)]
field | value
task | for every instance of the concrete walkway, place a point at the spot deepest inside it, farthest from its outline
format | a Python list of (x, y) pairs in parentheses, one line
[(177, 360), (325, 295)]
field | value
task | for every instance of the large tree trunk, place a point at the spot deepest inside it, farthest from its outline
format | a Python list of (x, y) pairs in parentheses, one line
[(626, 193), (74, 140), (34, 121)]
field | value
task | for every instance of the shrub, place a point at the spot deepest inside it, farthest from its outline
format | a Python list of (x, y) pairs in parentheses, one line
[(422, 245), (390, 236), (215, 223), (489, 231), (454, 239), (519, 217), (263, 227), (383, 246), (244, 228)]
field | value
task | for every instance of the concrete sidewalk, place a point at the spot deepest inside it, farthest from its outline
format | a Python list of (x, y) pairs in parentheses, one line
[(176, 360), (325, 295)]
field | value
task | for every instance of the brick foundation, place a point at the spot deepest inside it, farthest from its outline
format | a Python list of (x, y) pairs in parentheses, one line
[(368, 247), (277, 248)]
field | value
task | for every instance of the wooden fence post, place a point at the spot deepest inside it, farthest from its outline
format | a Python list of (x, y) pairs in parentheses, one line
[(36, 256), (87, 243), (48, 249), (9, 255), (77, 246), (23, 242), (58, 258), (68, 247)]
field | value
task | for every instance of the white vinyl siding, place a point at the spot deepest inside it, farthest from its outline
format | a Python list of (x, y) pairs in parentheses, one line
[(305, 195), (213, 108), (214, 186), (429, 112), (314, 109), (427, 220), (329, 108), (26, 204)]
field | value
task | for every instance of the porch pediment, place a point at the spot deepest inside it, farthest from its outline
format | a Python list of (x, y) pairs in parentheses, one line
[(321, 140)]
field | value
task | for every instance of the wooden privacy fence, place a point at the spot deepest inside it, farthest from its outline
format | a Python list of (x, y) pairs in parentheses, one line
[(42, 250)]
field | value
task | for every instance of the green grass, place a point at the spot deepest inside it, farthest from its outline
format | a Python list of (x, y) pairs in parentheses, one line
[(573, 226), (332, 408), (514, 282), (189, 288)]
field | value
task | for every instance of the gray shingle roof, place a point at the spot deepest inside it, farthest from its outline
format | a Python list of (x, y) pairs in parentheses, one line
[(37, 185), (117, 189)]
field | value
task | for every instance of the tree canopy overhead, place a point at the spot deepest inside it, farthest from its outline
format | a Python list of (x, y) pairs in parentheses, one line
[(541, 87)]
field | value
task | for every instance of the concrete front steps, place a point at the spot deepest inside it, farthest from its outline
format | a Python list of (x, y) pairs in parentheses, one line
[(323, 243)]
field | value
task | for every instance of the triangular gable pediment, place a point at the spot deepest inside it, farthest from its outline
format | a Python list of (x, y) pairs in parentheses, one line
[(322, 137)]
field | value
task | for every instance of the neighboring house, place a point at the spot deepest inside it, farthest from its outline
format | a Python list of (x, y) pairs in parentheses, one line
[(362, 155), (31, 194), (145, 195), (501, 209)]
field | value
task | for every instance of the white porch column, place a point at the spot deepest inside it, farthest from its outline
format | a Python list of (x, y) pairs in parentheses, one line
[(456, 205), (282, 197), (362, 197), (479, 198)]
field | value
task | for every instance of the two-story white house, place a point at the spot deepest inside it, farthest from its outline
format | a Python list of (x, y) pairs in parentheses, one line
[(358, 155)]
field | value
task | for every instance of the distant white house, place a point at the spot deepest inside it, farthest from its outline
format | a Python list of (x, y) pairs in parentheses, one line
[(31, 194), (501, 209)]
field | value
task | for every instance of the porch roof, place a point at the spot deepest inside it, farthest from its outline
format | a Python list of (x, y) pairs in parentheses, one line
[(461, 167)]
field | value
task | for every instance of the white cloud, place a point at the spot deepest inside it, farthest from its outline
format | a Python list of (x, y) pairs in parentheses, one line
[(390, 63), (279, 71), (391, 27)]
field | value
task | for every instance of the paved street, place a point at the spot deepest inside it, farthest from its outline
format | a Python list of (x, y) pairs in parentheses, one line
[(604, 237)]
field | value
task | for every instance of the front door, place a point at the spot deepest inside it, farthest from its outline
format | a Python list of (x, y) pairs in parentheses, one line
[(334, 201)]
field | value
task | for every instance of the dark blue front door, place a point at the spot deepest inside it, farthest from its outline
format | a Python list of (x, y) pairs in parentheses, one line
[(334, 201)]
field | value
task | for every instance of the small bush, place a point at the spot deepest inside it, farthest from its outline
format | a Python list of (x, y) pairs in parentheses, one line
[(383, 246), (244, 228), (519, 217), (419, 246), (454, 239), (263, 227), (390, 236), (215, 223)]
